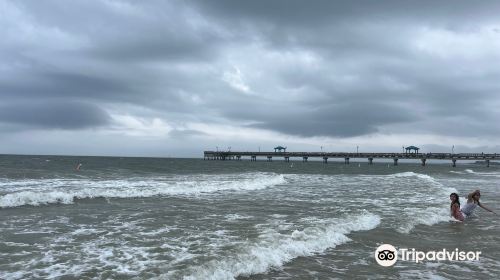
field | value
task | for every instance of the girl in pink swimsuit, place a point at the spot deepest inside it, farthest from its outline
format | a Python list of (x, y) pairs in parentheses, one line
[(455, 207)]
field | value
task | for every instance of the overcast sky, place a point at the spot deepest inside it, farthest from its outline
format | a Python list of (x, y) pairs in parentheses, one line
[(174, 78)]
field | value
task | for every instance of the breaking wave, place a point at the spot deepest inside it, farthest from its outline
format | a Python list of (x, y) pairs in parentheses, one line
[(47, 191), (413, 216), (274, 249)]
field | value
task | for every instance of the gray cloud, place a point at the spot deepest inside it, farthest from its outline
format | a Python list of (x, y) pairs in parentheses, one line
[(356, 118), (54, 114), (327, 68), (185, 134), (48, 84), (300, 13)]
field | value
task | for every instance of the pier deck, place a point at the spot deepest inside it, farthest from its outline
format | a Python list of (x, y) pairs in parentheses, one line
[(423, 157)]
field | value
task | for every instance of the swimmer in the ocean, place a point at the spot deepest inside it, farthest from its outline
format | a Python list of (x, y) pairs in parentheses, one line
[(472, 203), (77, 168), (455, 207)]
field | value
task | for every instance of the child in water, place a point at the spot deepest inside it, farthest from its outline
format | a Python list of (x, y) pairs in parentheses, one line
[(455, 207), (473, 202)]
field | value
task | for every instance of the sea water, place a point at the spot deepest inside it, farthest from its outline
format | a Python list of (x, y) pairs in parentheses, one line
[(152, 218)]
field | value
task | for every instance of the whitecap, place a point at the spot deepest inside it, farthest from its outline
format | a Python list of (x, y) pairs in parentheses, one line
[(66, 191), (273, 249)]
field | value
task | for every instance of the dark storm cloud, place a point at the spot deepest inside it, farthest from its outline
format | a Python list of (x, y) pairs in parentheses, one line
[(126, 31), (80, 84), (110, 53), (171, 57), (300, 13), (53, 114), (141, 48), (48, 84), (342, 119), (374, 42)]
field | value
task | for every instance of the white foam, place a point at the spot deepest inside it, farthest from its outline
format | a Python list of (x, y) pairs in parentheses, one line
[(440, 189), (35, 198), (423, 216), (157, 232), (273, 249), (487, 174), (414, 174), (86, 231), (66, 191), (428, 204), (235, 217), (12, 275), (436, 197)]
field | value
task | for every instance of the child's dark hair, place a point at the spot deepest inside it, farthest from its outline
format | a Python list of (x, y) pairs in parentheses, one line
[(456, 201)]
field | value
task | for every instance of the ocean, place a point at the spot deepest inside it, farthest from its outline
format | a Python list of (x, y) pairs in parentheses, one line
[(162, 218)]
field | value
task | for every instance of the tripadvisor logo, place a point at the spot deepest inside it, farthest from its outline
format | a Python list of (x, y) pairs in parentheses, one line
[(387, 255)]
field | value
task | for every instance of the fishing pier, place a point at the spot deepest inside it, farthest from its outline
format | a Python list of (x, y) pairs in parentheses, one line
[(423, 157)]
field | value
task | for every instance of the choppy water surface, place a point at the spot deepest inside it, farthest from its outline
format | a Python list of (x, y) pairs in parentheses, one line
[(192, 219)]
